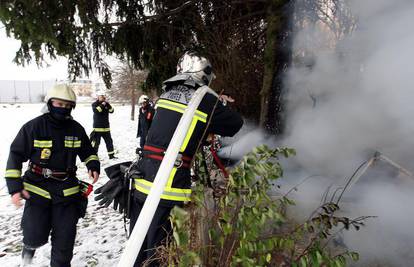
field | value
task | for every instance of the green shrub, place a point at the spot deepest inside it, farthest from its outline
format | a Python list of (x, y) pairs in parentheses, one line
[(247, 227)]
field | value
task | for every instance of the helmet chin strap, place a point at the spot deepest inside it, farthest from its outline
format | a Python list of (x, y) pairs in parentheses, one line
[(208, 80)]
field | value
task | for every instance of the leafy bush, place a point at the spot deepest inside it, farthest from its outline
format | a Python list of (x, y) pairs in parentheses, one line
[(247, 227)]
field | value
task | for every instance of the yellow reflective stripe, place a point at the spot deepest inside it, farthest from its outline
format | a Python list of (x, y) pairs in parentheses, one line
[(144, 182), (202, 117), (199, 115), (102, 129), (42, 143), (167, 195), (98, 108), (37, 190), (111, 110), (179, 190), (111, 152), (69, 143), (172, 103), (176, 194), (91, 157), (180, 108), (171, 178), (188, 135), (71, 191), (13, 173)]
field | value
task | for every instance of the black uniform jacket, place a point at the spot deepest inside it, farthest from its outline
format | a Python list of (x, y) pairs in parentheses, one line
[(53, 145), (144, 120), (101, 116), (169, 109)]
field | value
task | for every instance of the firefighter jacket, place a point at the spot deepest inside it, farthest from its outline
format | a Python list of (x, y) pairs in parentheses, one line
[(169, 109), (50, 146), (101, 116), (144, 121)]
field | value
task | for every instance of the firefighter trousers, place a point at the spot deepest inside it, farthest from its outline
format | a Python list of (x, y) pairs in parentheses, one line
[(159, 229), (108, 141), (58, 220)]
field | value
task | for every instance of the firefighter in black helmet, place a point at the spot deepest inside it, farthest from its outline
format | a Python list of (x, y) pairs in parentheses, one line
[(53, 194), (193, 72), (101, 109)]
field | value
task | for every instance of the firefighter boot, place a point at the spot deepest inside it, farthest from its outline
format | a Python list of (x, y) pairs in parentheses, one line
[(27, 256)]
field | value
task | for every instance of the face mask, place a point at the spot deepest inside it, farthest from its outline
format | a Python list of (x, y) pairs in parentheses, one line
[(60, 113)]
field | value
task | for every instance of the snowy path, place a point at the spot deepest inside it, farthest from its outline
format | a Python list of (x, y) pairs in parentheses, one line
[(101, 233)]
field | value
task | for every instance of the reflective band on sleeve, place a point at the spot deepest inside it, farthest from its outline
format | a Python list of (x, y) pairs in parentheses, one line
[(101, 130), (71, 191), (73, 144), (111, 110), (91, 157), (42, 143), (37, 190), (13, 173), (98, 108)]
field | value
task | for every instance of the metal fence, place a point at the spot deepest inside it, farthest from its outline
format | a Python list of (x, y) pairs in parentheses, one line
[(14, 91)]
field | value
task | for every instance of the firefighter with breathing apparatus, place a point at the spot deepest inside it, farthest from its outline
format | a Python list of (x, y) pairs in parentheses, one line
[(193, 72)]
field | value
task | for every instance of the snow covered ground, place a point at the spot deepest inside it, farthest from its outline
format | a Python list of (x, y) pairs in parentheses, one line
[(101, 233)]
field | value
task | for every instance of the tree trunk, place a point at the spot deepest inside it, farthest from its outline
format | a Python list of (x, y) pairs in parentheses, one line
[(275, 63), (133, 101)]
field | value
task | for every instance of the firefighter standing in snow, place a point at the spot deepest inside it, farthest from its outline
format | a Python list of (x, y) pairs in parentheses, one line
[(193, 71), (54, 202), (101, 109), (146, 114)]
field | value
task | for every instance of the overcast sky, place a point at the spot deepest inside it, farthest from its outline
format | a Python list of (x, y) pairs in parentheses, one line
[(10, 71)]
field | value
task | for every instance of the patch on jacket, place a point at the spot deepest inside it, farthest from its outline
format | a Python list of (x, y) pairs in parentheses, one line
[(71, 138), (179, 94)]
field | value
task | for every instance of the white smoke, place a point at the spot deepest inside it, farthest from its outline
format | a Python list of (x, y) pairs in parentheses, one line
[(246, 139), (349, 104)]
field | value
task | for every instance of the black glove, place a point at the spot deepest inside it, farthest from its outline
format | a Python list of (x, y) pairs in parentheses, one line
[(116, 189), (109, 192), (121, 202)]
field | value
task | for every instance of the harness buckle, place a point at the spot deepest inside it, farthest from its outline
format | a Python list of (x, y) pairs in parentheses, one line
[(47, 173), (178, 161)]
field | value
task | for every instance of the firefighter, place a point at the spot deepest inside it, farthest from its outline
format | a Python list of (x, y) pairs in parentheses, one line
[(193, 71), (146, 113), (101, 109), (54, 201)]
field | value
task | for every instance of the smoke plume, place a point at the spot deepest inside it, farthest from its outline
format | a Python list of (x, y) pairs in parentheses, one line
[(349, 103)]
